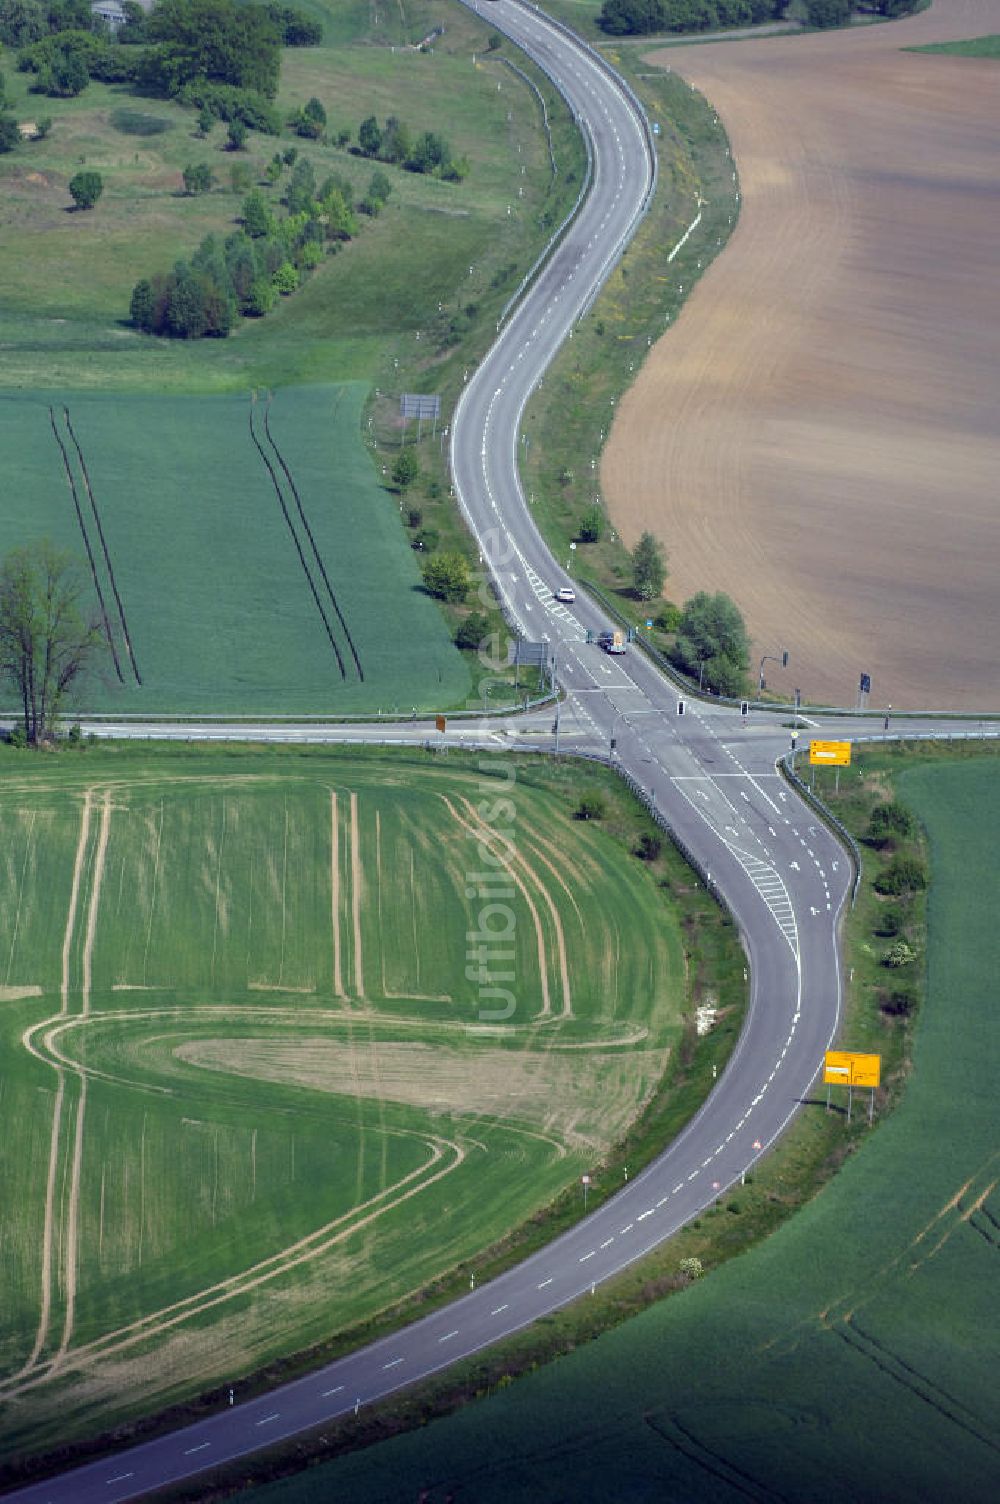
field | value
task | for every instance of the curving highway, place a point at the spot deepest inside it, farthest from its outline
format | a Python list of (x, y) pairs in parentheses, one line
[(712, 776)]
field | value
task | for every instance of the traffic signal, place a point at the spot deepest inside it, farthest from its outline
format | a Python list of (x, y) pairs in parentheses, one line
[(680, 707), (784, 659), (744, 707)]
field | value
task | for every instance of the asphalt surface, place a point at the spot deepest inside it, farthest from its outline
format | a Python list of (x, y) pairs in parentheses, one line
[(710, 773)]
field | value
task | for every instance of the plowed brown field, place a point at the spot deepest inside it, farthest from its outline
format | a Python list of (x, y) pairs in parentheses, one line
[(819, 435)]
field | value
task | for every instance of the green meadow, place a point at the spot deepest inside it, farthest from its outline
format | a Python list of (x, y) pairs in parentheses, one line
[(253, 1090), (68, 277), (853, 1354), (246, 557)]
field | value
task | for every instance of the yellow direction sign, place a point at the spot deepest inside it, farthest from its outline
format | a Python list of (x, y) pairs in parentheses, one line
[(832, 754), (849, 1068)]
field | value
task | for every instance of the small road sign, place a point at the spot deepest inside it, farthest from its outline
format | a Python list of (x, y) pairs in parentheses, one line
[(441, 722), (830, 754)]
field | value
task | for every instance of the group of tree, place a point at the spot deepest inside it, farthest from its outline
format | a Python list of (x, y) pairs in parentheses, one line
[(182, 45), (640, 17), (394, 142), (245, 274), (712, 643)]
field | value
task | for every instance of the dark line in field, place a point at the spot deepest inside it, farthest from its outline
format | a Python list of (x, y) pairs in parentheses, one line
[(855, 1337), (86, 544), (298, 547), (312, 540), (716, 1467), (987, 1236), (104, 546)]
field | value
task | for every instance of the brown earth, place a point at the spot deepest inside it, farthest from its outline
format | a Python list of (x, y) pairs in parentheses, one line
[(819, 435)]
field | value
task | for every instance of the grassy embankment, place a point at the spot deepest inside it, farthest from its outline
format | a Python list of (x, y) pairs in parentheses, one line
[(273, 1102), (988, 47), (853, 1350)]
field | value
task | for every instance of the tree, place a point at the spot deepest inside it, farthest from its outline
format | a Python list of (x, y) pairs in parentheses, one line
[(237, 136), (240, 178), (257, 220), (311, 120), (197, 177), (46, 639), (10, 136), (712, 643), (631, 17), (142, 309), (216, 40), (21, 22), (649, 568), (379, 188), (206, 120), (904, 875), (447, 577), (406, 470), (396, 141), (286, 279), (369, 137), (86, 188)]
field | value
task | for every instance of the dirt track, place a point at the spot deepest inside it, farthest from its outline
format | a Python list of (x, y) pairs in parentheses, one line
[(819, 434)]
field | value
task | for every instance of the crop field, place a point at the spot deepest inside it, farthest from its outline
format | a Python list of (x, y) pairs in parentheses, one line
[(852, 1355), (243, 555), (253, 1088), (824, 406)]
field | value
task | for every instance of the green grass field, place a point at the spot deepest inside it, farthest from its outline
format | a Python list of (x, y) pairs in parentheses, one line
[(250, 1094), (853, 1354), (973, 47), (68, 277), (231, 598)]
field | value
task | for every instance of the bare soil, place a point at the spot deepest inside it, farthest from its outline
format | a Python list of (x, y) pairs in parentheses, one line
[(818, 436)]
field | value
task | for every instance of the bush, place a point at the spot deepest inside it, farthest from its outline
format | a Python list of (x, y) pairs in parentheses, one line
[(197, 178), (414, 516), (904, 875), (10, 136), (472, 631), (887, 821), (286, 279), (237, 136), (899, 954), (225, 102), (899, 1003), (446, 576), (668, 618), (591, 525), (648, 847), (889, 922), (590, 807), (426, 540)]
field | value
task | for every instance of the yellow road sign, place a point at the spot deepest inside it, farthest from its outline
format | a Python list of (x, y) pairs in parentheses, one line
[(849, 1068), (832, 754)]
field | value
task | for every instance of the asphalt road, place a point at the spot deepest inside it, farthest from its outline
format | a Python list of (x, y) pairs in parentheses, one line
[(711, 774)]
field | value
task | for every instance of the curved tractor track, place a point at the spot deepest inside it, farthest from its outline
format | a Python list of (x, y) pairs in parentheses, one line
[(781, 874)]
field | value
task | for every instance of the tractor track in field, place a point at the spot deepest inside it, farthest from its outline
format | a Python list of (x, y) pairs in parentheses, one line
[(87, 545), (298, 546), (312, 541), (104, 545)]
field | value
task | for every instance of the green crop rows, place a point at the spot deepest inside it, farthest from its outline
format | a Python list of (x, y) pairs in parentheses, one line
[(249, 579), (250, 1093)]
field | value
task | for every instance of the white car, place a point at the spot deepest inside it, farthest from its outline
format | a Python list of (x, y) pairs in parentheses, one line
[(565, 593)]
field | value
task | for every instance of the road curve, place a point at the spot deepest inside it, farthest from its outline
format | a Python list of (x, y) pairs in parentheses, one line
[(778, 869)]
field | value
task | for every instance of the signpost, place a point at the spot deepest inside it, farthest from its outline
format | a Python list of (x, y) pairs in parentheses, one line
[(851, 1068)]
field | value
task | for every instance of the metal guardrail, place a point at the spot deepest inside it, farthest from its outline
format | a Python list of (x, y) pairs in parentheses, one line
[(829, 819)]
